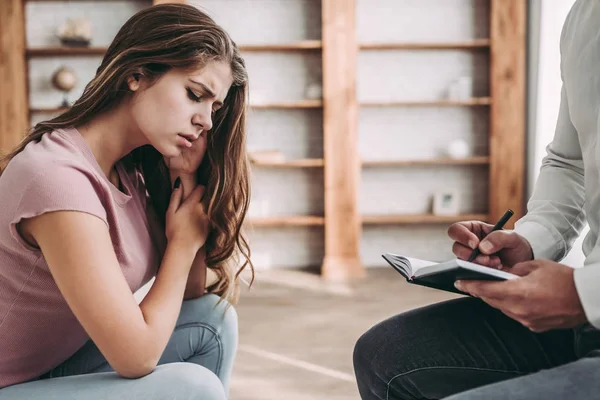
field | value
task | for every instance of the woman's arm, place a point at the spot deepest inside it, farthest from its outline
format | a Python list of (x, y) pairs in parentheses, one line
[(79, 252), (197, 279)]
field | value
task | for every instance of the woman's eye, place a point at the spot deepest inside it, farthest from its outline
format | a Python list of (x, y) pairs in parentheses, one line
[(193, 96)]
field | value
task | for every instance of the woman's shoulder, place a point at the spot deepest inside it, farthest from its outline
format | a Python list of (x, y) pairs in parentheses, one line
[(55, 148), (55, 160)]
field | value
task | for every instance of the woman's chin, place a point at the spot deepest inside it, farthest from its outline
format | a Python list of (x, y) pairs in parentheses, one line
[(170, 151)]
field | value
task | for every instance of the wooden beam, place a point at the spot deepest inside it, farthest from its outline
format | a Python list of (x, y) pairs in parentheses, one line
[(340, 121), (14, 113), (507, 114)]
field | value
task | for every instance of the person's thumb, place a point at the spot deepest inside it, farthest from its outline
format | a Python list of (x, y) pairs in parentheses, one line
[(494, 242), (176, 196)]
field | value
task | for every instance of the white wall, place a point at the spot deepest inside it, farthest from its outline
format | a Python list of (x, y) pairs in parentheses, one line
[(546, 96)]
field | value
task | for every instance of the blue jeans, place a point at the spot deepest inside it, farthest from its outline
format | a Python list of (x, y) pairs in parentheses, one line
[(196, 364), (472, 351)]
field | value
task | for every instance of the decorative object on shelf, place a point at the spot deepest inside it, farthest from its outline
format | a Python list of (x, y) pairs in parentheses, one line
[(269, 156), (64, 79), (445, 202), (314, 91), (458, 149), (461, 88), (75, 32)]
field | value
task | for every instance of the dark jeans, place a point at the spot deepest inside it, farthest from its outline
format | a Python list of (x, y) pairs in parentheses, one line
[(466, 348)]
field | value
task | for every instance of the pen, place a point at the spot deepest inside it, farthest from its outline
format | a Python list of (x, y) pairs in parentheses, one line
[(499, 225)]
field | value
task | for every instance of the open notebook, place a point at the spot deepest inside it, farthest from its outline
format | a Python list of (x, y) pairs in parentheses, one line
[(443, 275)]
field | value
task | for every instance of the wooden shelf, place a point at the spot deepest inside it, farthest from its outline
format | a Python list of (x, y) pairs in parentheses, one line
[(290, 105), (65, 51), (294, 220), (319, 162), (474, 44), (47, 109), (300, 163), (301, 45), (476, 101), (295, 104), (100, 50), (478, 160), (420, 219)]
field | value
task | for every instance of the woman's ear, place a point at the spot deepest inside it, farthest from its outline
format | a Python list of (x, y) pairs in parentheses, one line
[(133, 82)]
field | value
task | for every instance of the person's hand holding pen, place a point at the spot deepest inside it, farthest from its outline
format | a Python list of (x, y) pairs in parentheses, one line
[(491, 247), (545, 296)]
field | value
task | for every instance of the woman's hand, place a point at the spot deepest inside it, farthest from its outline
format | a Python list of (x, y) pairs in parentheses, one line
[(187, 223)]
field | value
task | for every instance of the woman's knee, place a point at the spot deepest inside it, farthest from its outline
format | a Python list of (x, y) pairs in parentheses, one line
[(213, 311), (187, 381)]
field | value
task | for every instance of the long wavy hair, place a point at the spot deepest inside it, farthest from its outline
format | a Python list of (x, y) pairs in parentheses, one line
[(152, 42)]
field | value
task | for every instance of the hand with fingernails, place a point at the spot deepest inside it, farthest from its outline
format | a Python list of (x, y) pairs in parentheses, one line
[(545, 296)]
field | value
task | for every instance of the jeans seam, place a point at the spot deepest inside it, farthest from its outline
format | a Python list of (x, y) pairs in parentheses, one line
[(387, 395), (214, 332)]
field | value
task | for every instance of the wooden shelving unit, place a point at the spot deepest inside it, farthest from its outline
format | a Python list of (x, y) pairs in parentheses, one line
[(300, 163), (293, 104), (469, 45), (264, 106), (406, 219), (297, 220), (413, 219), (63, 51), (301, 45), (58, 51), (342, 221), (319, 162), (477, 101), (479, 160)]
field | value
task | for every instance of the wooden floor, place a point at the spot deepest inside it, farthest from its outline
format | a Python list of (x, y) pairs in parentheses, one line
[(297, 333)]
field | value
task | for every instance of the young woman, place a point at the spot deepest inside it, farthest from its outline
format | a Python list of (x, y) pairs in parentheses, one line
[(144, 176)]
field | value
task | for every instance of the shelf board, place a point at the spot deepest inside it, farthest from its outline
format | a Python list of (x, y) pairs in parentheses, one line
[(477, 160), (100, 50), (472, 44), (288, 105), (319, 162), (294, 220), (65, 51), (47, 109), (476, 101), (299, 163), (295, 104), (420, 219), (301, 45)]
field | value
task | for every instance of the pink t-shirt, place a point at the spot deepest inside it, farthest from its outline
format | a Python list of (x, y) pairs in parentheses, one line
[(38, 331)]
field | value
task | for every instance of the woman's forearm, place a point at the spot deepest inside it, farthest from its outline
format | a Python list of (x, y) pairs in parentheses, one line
[(161, 306), (196, 280)]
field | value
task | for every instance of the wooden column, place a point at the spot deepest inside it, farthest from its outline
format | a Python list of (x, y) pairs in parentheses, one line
[(507, 119), (340, 121), (14, 111)]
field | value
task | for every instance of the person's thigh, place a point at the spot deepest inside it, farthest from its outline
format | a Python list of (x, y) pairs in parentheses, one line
[(206, 333), (176, 381), (450, 347), (577, 380)]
